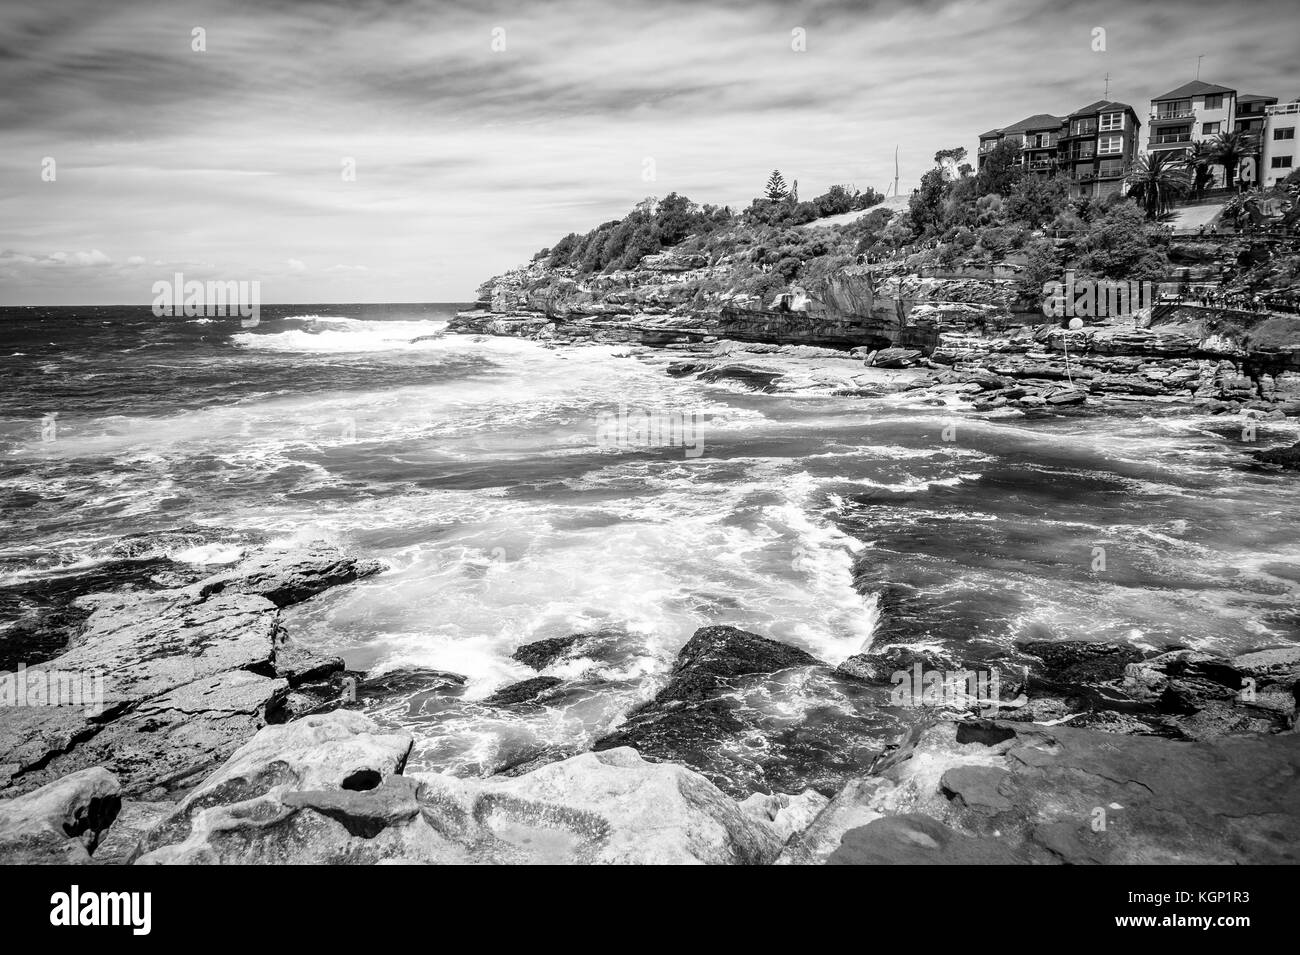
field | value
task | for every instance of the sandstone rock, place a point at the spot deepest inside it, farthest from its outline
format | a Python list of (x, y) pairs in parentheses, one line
[(341, 750), (915, 839), (541, 654), (525, 691), (60, 823), (788, 815), (299, 664), (328, 790), (118, 845), (1286, 458), (996, 792), (896, 358), (753, 714), (290, 576), (168, 740)]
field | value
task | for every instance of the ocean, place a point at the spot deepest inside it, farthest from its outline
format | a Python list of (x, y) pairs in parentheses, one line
[(476, 469)]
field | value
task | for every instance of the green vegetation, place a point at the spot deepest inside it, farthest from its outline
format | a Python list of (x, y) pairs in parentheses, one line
[(668, 223)]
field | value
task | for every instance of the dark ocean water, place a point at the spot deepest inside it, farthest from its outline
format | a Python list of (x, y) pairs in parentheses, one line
[(472, 466)]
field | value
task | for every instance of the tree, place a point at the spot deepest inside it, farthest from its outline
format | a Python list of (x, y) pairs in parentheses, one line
[(952, 156), (1198, 162), (926, 204), (1120, 245), (1228, 150), (675, 217), (836, 200), (1000, 171), (776, 190), (1035, 200), (1157, 180)]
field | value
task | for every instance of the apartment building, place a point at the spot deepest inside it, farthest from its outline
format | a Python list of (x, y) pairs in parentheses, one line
[(1195, 112), (1095, 146), (1098, 144), (1278, 155), (1250, 114), (1037, 137)]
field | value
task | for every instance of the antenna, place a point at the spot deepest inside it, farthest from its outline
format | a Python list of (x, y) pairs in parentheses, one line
[(895, 172), (1198, 65), (1107, 86)]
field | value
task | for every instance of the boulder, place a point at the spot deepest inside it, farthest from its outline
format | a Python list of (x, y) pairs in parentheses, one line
[(1287, 458), (60, 823), (118, 845), (896, 358), (788, 815), (756, 715), (525, 691)]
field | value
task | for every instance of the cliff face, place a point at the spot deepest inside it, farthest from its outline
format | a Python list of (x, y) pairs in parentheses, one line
[(1223, 357), (671, 298)]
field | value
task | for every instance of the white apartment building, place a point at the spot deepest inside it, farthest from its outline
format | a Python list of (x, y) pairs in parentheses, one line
[(1278, 155), (1194, 112)]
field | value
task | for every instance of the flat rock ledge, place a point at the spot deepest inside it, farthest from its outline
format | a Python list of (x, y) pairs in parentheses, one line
[(158, 687), (994, 792)]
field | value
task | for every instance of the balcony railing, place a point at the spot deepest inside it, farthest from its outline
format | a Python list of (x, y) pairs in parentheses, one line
[(1161, 115), (1043, 164), (1044, 144), (1171, 138), (1283, 109)]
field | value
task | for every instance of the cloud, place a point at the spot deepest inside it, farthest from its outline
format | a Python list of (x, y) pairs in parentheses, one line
[(469, 160)]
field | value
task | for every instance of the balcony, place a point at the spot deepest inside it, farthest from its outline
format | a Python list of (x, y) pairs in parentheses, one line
[(1040, 164), (1170, 139), (1168, 115), (1082, 156), (1283, 109), (1049, 143), (1112, 172)]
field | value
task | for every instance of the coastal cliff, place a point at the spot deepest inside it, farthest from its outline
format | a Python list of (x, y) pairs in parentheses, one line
[(969, 332)]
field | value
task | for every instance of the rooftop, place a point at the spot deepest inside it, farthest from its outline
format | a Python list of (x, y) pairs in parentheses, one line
[(1102, 106), (1194, 88), (1037, 121)]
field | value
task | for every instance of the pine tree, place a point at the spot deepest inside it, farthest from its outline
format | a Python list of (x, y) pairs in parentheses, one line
[(776, 190)]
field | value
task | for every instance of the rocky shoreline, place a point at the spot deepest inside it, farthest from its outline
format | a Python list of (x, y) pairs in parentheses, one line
[(221, 740), (951, 340)]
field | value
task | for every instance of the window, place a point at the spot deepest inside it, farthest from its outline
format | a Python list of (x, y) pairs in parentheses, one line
[(1286, 132), (1110, 144), (1112, 121), (1281, 162), (1083, 127), (1214, 102), (1210, 129)]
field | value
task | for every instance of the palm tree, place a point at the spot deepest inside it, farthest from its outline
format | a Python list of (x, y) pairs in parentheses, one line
[(1198, 162), (1157, 180), (1228, 150)]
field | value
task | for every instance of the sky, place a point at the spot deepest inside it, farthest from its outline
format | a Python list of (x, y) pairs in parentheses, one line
[(215, 139)]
